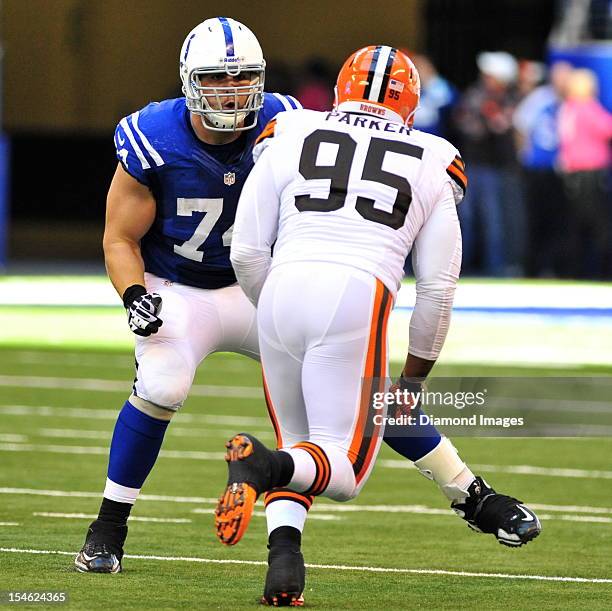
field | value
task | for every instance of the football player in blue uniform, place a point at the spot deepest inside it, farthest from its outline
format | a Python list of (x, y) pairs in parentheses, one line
[(170, 212)]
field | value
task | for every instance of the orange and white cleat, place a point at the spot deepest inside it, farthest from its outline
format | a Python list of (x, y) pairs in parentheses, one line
[(250, 465)]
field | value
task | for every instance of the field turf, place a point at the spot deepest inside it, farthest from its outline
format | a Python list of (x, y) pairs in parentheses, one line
[(396, 547)]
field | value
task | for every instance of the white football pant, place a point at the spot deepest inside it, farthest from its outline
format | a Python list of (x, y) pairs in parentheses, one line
[(323, 341)]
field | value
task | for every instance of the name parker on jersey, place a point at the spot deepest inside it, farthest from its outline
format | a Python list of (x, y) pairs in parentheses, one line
[(358, 120)]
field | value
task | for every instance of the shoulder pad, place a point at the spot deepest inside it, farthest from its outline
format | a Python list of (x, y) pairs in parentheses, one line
[(275, 103), (450, 159)]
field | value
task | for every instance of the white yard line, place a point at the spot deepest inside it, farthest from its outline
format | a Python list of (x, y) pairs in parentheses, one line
[(73, 358), (262, 514), (9, 523), (92, 516), (115, 361), (111, 414), (13, 437), (173, 431), (515, 469), (321, 504), (97, 495), (591, 519), (393, 464), (334, 567), (322, 510), (100, 385), (97, 450), (72, 434), (572, 508), (434, 511)]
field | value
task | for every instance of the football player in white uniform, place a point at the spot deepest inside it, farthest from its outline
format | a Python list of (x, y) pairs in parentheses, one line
[(343, 197)]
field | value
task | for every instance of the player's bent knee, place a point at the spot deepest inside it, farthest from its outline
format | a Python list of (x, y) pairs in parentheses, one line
[(164, 382), (169, 395), (342, 484)]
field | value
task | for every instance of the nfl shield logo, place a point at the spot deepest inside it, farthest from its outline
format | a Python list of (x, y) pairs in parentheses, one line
[(229, 179)]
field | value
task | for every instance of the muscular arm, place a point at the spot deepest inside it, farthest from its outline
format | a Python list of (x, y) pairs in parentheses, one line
[(436, 258), (130, 211)]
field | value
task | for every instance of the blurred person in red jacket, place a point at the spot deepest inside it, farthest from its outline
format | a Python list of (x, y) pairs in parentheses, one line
[(317, 85), (585, 131)]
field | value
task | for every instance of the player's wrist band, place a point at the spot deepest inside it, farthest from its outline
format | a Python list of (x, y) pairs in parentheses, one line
[(132, 293)]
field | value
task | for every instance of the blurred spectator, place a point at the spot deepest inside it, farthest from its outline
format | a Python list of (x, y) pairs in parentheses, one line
[(530, 75), (483, 119), (315, 91), (585, 130), (437, 98), (280, 77), (535, 121)]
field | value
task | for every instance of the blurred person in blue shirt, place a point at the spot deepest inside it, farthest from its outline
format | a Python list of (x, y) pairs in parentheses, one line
[(437, 99), (536, 129)]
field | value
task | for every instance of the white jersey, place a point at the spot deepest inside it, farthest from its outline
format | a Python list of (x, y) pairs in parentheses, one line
[(356, 190)]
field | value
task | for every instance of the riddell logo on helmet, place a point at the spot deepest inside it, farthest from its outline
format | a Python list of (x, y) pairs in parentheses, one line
[(372, 109)]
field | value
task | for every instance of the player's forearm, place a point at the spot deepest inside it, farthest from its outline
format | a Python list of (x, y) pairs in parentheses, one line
[(124, 264), (430, 321), (436, 260), (428, 329)]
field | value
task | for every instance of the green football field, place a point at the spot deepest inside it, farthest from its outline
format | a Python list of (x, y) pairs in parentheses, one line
[(397, 546)]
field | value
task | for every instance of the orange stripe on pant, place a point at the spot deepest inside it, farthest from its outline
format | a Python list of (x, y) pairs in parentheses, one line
[(271, 412), (364, 442)]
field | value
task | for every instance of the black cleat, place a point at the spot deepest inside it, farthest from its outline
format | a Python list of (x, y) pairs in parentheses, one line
[(103, 548), (252, 470), (286, 576), (503, 516)]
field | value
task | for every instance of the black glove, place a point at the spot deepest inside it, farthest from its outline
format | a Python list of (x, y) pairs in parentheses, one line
[(142, 310)]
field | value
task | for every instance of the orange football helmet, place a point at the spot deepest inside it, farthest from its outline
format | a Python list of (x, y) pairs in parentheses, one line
[(379, 80)]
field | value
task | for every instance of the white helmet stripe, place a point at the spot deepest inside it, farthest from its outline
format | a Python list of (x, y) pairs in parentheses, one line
[(379, 73)]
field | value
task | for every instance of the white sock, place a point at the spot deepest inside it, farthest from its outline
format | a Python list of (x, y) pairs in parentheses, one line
[(285, 513), (119, 493)]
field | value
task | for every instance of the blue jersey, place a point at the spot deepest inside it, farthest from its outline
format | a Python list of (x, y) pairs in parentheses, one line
[(196, 188)]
